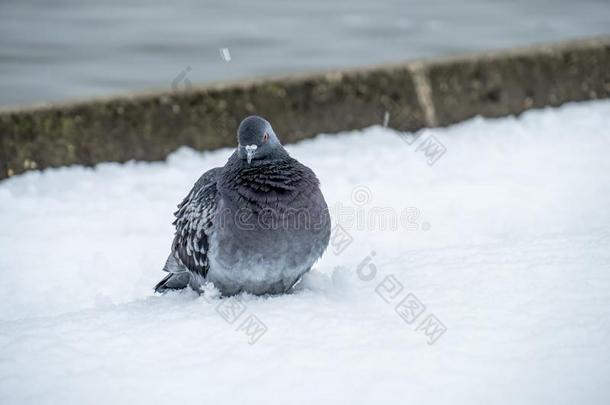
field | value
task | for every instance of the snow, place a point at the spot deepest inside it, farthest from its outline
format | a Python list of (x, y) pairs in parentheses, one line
[(505, 241)]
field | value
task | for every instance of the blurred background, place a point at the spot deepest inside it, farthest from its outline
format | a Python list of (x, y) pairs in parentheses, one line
[(74, 49)]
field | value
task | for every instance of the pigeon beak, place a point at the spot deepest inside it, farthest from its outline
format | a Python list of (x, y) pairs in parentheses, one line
[(250, 151)]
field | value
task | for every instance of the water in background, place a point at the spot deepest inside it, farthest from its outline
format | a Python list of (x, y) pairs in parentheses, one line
[(66, 49)]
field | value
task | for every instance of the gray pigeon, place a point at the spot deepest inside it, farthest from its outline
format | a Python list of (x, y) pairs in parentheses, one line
[(255, 225)]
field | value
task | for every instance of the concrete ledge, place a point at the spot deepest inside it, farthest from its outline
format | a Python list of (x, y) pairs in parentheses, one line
[(407, 96), (506, 83)]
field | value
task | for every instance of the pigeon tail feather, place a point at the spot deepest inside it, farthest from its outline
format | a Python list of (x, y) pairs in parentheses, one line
[(173, 281)]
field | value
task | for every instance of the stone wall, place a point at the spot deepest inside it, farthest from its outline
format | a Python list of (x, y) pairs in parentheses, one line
[(407, 96)]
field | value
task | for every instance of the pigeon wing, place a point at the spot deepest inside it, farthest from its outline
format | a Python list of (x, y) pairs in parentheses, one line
[(194, 224)]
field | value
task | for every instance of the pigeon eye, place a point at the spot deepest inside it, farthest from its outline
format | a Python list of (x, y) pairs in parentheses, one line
[(265, 137)]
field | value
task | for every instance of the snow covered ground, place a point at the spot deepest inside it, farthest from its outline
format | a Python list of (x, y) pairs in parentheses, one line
[(496, 273)]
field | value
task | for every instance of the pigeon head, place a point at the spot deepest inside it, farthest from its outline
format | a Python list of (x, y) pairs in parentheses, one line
[(256, 139)]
